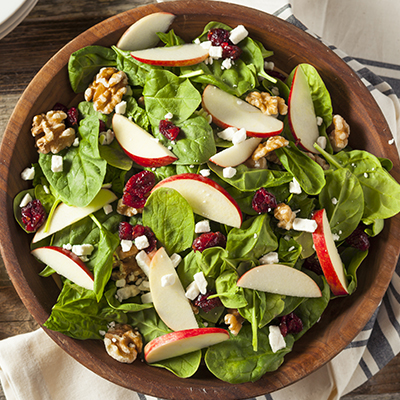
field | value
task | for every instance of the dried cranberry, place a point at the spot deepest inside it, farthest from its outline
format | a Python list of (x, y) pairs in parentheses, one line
[(33, 215), (207, 304), (60, 107), (137, 189), (276, 74), (168, 129), (358, 239), (140, 230), (125, 230), (102, 126), (218, 36), (312, 264), (263, 201), (290, 323), (72, 116), (231, 51), (210, 239)]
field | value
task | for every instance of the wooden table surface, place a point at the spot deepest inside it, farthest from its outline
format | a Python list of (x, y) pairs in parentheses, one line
[(50, 25)]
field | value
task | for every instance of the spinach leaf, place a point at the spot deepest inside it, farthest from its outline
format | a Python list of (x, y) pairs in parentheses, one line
[(137, 113), (307, 172), (83, 168), (343, 199), (86, 109), (234, 360), (375, 228), (187, 268), (212, 261), (164, 92), (85, 63), (115, 156), (115, 177), (288, 252), (130, 306), (171, 219), (231, 295), (352, 259), (17, 209), (170, 38)]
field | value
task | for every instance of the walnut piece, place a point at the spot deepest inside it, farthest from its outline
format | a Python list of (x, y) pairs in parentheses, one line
[(234, 320), (257, 164), (123, 343), (285, 215), (107, 89), (125, 265), (270, 105), (126, 210), (264, 148), (50, 132), (319, 160), (339, 136)]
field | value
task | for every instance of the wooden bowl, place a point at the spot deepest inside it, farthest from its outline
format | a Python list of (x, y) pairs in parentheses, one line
[(344, 317)]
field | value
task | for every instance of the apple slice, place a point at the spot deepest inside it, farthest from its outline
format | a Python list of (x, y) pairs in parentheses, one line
[(143, 33), (228, 110), (301, 113), (66, 263), (236, 154), (139, 145), (172, 56), (206, 198), (170, 302), (328, 255), (182, 342), (279, 279), (65, 215)]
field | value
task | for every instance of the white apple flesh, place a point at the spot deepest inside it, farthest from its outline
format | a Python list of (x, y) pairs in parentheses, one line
[(139, 145), (301, 113), (173, 56), (328, 255), (182, 342), (228, 110), (279, 279), (66, 264), (170, 302), (65, 215), (205, 197), (143, 33), (236, 154)]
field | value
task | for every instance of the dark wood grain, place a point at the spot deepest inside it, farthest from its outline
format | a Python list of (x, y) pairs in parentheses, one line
[(37, 39)]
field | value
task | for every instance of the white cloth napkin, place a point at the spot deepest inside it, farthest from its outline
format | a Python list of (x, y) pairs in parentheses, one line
[(33, 367)]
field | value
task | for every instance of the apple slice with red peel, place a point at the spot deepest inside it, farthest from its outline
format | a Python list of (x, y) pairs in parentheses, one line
[(143, 33), (206, 198), (301, 113), (170, 302), (65, 215), (228, 110), (66, 263), (172, 56), (175, 344), (279, 279), (328, 255), (236, 154), (139, 145)]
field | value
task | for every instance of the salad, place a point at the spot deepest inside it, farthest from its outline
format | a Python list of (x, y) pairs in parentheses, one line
[(199, 204)]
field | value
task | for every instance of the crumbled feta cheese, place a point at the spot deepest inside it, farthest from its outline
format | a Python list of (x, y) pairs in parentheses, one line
[(334, 201), (206, 45), (126, 245), (167, 280), (106, 138), (209, 61), (269, 65), (228, 133), (28, 174), (201, 282), (168, 115), (67, 246), (56, 163), (120, 283), (238, 34), (146, 298), (269, 258), (205, 172), (391, 141), (336, 237), (144, 286), (46, 189), (291, 248), (276, 339), (141, 242), (304, 225), (75, 143), (102, 333), (319, 121), (365, 175), (227, 63), (25, 200), (294, 187), (127, 292), (111, 324), (107, 209), (197, 41), (143, 261), (192, 291), (321, 142), (239, 136), (229, 172), (255, 236), (176, 259), (120, 108), (215, 52), (275, 91), (202, 226), (82, 249)]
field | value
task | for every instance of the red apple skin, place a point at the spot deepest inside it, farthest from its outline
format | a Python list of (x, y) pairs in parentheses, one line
[(203, 179), (172, 63), (179, 335), (323, 257)]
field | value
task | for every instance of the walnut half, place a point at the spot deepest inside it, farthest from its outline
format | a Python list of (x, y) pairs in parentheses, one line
[(284, 214), (123, 343), (340, 135), (234, 320), (269, 105)]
